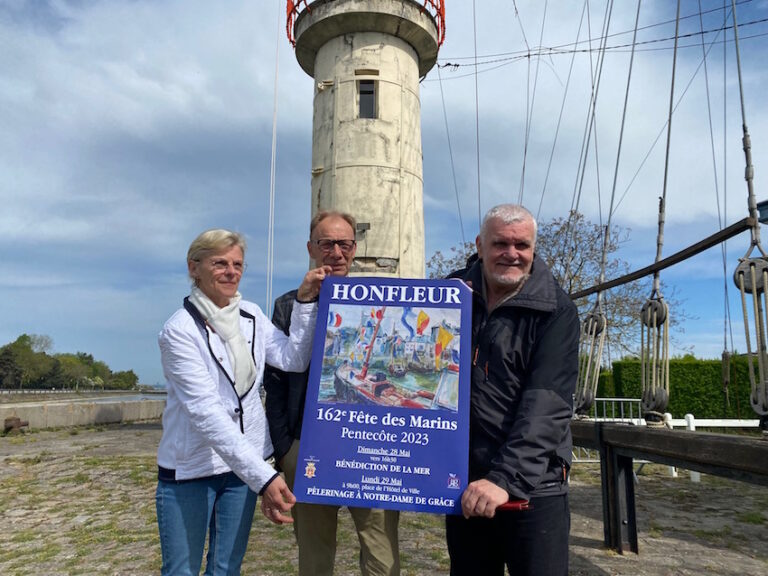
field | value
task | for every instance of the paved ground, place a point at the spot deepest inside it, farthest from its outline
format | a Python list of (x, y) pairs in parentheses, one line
[(81, 502)]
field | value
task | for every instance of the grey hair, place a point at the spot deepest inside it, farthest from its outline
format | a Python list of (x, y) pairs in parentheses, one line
[(508, 214), (216, 240), (322, 215)]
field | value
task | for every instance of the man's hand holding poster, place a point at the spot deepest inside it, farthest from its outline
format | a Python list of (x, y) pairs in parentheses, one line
[(386, 418)]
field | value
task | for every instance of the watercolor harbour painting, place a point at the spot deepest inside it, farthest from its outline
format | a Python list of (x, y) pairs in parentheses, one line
[(397, 356)]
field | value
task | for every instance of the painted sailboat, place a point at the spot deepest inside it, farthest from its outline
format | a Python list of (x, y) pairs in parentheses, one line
[(358, 386)]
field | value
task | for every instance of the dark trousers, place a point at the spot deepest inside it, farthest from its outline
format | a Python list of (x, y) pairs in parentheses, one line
[(529, 542)]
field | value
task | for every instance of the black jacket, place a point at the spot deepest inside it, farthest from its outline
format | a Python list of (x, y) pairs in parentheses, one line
[(285, 390), (524, 374)]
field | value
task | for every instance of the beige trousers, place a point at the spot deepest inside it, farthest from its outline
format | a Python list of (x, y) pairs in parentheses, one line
[(315, 528)]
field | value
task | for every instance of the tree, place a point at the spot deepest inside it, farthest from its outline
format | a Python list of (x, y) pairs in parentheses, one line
[(572, 248), (440, 265), (41, 343), (25, 363), (100, 370), (56, 379), (73, 371), (86, 359), (32, 367), (125, 380), (10, 373)]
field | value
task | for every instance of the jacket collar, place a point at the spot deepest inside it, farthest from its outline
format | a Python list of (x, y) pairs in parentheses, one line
[(198, 318), (200, 321), (538, 293), (194, 312)]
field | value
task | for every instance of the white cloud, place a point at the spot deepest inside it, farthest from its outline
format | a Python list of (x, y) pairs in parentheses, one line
[(126, 128)]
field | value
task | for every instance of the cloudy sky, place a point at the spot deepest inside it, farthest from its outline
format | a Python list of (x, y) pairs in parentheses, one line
[(129, 126)]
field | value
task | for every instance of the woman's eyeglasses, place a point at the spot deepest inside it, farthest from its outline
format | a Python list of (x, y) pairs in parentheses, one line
[(221, 265)]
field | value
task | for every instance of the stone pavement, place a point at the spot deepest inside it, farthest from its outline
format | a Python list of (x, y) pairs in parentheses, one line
[(81, 502)]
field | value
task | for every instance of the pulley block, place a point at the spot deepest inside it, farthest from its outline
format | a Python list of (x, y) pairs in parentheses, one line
[(594, 323), (749, 268), (653, 313)]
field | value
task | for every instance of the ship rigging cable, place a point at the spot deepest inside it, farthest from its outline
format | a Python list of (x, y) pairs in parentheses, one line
[(595, 324), (746, 274), (556, 51), (272, 165), (586, 138), (453, 166), (726, 356), (589, 40), (589, 128), (477, 118), (530, 101), (664, 126), (727, 324), (654, 332), (560, 116)]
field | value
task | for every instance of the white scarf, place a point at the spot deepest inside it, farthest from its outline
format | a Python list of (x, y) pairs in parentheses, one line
[(226, 323)]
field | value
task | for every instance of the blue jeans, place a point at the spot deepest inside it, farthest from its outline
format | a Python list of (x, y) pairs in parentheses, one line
[(221, 506), (529, 542)]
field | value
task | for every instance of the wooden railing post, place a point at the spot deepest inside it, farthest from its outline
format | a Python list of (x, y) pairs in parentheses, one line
[(619, 518)]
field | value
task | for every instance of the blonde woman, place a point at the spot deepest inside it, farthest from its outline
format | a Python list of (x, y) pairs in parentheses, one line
[(211, 458)]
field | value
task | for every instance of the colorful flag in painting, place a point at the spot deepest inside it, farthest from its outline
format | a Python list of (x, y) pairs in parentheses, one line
[(422, 321), (334, 319), (407, 313), (367, 330), (443, 339)]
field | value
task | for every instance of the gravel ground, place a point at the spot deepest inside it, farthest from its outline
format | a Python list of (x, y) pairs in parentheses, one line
[(81, 502)]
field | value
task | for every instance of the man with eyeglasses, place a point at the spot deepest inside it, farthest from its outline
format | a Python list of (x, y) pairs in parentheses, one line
[(331, 243)]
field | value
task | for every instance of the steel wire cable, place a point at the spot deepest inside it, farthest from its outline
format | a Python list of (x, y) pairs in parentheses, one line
[(560, 115), (453, 167), (529, 108)]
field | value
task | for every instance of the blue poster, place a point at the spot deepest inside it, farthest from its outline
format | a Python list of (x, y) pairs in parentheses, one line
[(386, 418)]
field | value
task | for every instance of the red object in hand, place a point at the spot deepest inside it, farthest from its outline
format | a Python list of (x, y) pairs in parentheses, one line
[(515, 506)]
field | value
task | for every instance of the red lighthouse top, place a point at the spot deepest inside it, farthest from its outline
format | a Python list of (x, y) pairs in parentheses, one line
[(435, 7)]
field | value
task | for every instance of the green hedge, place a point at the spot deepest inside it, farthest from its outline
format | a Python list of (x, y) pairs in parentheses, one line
[(695, 387), (605, 386)]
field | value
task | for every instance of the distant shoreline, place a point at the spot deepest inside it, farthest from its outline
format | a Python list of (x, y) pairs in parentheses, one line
[(17, 396)]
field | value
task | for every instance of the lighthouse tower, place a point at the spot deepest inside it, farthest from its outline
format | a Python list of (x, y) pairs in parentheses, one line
[(366, 58)]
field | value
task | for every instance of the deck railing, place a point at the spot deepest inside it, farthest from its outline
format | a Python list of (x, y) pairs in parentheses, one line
[(435, 7)]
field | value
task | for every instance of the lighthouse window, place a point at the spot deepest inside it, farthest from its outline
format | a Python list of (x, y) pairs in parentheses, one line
[(367, 96)]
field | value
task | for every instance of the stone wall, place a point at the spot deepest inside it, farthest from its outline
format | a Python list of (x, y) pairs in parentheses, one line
[(61, 414)]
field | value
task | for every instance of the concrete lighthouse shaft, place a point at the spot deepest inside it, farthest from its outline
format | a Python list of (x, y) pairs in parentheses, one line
[(366, 57)]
